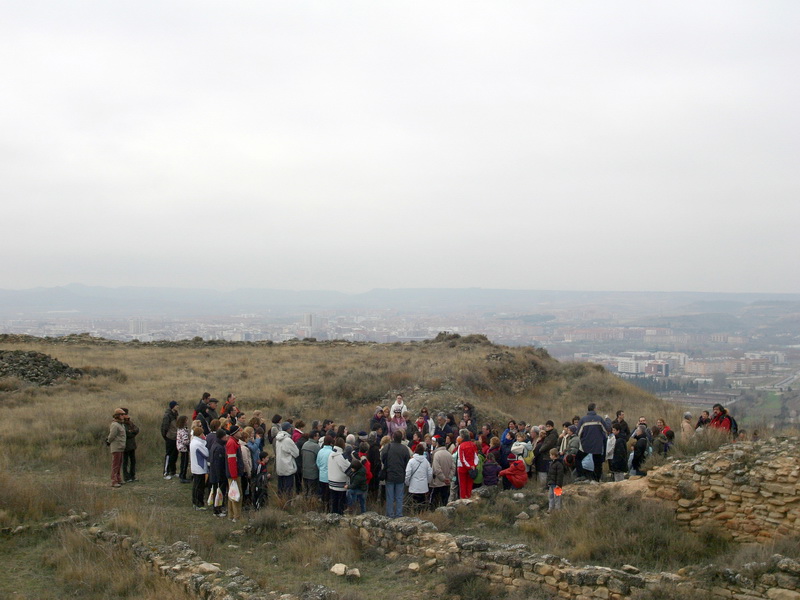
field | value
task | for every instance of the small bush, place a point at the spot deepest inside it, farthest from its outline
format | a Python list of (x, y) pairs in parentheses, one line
[(111, 373), (433, 384), (10, 384), (400, 380), (469, 585), (267, 520)]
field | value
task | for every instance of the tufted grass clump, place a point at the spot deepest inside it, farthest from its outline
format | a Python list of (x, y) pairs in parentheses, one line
[(614, 529), (470, 585)]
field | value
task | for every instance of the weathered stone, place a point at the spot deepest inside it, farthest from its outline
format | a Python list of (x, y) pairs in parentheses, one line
[(779, 594), (339, 569), (630, 569)]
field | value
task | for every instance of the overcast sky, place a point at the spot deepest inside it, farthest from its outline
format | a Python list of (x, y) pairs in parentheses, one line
[(352, 145)]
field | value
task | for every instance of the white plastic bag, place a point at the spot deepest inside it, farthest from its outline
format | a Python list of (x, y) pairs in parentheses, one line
[(219, 499), (233, 492), (210, 501)]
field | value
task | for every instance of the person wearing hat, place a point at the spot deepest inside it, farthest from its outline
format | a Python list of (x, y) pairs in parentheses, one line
[(207, 413), (515, 475), (116, 444), (169, 431), (397, 423)]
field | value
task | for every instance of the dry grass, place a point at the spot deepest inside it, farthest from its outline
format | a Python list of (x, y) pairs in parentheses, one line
[(92, 571), (309, 550), (308, 380), (53, 456), (616, 529)]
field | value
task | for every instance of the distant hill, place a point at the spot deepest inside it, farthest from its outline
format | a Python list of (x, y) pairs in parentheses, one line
[(98, 301)]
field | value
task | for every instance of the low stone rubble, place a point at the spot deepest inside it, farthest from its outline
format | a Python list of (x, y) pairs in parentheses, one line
[(517, 569)]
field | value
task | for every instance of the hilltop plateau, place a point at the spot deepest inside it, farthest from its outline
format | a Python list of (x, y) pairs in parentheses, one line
[(54, 464)]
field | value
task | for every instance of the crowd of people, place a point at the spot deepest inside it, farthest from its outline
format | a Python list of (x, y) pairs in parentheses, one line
[(427, 461)]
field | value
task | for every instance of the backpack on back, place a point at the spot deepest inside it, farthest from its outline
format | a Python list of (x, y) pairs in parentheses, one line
[(527, 457)]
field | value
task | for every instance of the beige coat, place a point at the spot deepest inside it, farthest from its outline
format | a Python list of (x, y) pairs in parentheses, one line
[(116, 437), (443, 467), (687, 429)]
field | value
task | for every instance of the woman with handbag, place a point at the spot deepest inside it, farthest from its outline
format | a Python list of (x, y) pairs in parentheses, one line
[(467, 463)]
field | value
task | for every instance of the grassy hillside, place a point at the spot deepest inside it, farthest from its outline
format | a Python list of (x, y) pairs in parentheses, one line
[(336, 380), (53, 459)]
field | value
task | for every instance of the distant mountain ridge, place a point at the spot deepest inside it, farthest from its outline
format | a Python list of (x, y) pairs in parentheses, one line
[(99, 301)]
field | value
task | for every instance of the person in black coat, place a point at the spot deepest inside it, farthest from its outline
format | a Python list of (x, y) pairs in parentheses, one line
[(639, 451), (619, 460), (395, 457), (555, 480), (624, 428), (217, 471)]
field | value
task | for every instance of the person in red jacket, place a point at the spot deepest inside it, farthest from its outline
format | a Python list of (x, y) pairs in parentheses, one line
[(363, 448), (516, 473), (720, 419), (234, 464), (467, 459)]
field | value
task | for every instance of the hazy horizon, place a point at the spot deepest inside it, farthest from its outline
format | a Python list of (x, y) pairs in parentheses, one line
[(350, 146), (399, 289)]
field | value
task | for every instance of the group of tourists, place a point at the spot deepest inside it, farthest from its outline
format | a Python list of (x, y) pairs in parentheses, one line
[(426, 461)]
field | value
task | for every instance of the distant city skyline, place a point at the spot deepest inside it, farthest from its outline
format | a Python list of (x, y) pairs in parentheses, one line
[(353, 147)]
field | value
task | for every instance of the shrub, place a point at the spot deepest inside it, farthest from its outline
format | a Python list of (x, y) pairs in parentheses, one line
[(267, 521), (10, 384), (111, 373), (434, 384), (469, 585), (400, 380), (614, 529)]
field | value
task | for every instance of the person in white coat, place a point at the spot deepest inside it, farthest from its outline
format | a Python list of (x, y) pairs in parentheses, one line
[(198, 458), (419, 475), (337, 477), (285, 464)]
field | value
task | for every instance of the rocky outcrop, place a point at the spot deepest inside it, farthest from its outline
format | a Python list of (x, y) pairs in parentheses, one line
[(35, 367), (751, 489)]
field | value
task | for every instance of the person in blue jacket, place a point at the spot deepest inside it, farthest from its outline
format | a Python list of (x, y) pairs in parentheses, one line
[(322, 466), (593, 431)]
